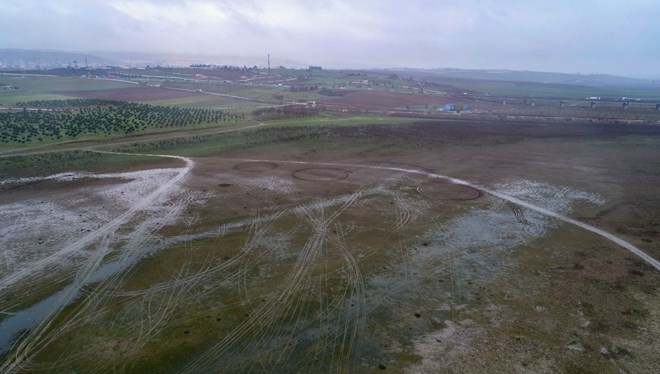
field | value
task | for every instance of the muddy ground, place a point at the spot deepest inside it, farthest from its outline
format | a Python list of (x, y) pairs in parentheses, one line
[(344, 251), (384, 100)]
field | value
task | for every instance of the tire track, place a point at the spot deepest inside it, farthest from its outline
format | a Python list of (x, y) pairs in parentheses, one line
[(546, 212), (38, 337), (289, 305), (354, 319), (518, 213)]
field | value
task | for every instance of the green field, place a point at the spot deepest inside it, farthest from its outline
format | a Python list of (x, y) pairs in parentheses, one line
[(251, 97), (550, 90), (317, 130), (209, 101), (45, 88)]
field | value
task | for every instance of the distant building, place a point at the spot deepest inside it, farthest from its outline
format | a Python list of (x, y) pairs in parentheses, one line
[(454, 108)]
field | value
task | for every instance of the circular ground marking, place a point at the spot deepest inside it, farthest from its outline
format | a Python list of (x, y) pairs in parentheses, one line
[(440, 190), (255, 166), (321, 174)]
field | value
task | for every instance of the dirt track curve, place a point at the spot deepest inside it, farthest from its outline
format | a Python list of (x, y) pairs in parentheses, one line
[(613, 238)]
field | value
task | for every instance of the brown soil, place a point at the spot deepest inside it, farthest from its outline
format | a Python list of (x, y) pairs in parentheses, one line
[(255, 166), (448, 191), (131, 94)]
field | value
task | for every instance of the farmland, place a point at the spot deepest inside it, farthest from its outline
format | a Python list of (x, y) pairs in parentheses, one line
[(375, 233), (119, 118)]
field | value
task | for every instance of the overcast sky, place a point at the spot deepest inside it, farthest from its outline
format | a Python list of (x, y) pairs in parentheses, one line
[(589, 36)]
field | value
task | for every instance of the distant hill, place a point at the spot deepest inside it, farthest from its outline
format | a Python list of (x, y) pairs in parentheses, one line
[(181, 59), (46, 59), (533, 76)]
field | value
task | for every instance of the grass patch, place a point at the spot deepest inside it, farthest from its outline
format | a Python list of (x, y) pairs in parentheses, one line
[(31, 84), (51, 163), (320, 132)]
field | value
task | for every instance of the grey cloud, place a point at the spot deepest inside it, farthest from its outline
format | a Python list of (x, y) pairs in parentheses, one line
[(567, 36)]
